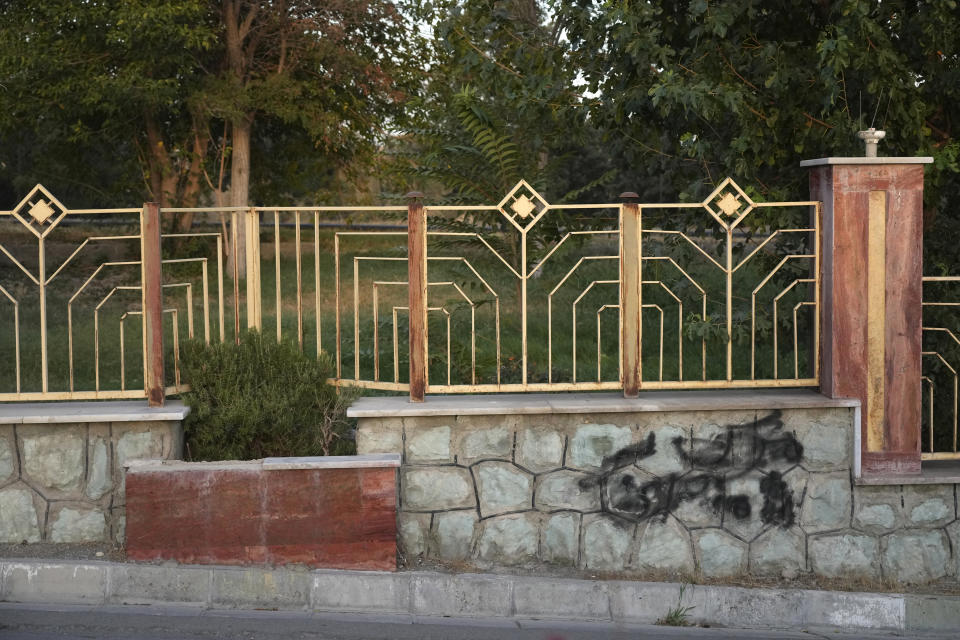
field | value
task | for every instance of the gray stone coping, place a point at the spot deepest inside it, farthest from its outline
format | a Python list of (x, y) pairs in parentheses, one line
[(425, 593), (540, 403), (73, 412), (366, 461), (819, 162)]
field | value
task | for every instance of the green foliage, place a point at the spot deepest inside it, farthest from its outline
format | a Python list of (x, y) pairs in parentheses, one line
[(679, 615), (699, 90), (261, 398)]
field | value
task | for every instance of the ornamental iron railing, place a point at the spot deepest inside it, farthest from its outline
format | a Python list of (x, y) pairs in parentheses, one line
[(522, 295)]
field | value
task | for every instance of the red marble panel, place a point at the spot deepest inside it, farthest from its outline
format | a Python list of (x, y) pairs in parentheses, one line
[(334, 518)]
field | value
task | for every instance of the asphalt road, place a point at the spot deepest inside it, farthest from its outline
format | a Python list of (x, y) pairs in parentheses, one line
[(40, 622)]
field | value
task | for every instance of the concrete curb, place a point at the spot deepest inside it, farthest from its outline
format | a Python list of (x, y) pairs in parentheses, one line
[(466, 596)]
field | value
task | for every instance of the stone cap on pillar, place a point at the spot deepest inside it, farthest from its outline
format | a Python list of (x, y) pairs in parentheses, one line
[(864, 160)]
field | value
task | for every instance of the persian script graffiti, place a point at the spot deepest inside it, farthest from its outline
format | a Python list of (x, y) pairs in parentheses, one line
[(709, 466)]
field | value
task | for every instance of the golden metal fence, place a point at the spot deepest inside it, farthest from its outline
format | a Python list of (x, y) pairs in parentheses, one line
[(941, 363), (523, 295)]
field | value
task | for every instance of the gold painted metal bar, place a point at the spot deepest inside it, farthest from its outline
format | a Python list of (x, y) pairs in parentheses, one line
[(234, 224), (336, 293), (278, 290), (316, 277), (356, 318), (254, 292), (876, 311), (929, 409), (818, 226), (940, 456), (220, 316), (729, 275), (523, 301), (376, 334), (299, 262), (42, 277), (205, 306), (16, 333)]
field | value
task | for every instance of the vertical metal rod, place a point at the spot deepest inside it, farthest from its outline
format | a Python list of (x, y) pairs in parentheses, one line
[(417, 279), (523, 300), (206, 302), (396, 349), (123, 378), (276, 263), (254, 317), (220, 317), (376, 336), (152, 303), (236, 277), (818, 226), (316, 274), (189, 311), (336, 294), (299, 262), (42, 277), (630, 294), (356, 318), (96, 350), (729, 271)]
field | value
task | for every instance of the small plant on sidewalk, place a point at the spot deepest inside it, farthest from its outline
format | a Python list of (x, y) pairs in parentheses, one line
[(679, 615), (261, 398)]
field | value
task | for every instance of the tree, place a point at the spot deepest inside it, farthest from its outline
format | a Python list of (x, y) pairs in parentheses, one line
[(162, 76), (501, 88), (748, 87), (108, 77)]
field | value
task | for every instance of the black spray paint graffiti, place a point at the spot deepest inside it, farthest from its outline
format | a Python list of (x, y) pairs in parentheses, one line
[(710, 463)]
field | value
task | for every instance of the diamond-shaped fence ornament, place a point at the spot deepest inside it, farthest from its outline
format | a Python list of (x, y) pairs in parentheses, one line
[(523, 206), (39, 208), (41, 211)]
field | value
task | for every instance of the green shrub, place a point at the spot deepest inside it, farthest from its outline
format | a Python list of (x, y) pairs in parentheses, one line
[(259, 399)]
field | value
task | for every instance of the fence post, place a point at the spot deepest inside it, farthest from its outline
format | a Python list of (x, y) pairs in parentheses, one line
[(151, 280), (870, 315), (252, 233), (417, 280), (630, 293)]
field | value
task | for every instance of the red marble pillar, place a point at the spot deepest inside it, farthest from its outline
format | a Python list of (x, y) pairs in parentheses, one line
[(870, 317)]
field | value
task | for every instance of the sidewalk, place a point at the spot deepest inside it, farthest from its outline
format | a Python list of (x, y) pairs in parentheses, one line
[(505, 597)]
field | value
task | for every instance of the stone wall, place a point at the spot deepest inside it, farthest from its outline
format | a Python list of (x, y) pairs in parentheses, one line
[(63, 481), (712, 493)]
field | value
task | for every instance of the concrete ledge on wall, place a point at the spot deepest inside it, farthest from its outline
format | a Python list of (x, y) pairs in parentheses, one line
[(74, 412), (649, 401), (332, 512)]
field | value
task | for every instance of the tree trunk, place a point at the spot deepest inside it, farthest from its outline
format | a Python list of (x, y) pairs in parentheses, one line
[(240, 184)]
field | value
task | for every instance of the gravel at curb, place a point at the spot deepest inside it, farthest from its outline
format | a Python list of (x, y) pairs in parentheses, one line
[(466, 595)]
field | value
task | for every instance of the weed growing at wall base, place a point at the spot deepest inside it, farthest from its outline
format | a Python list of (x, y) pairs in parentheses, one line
[(261, 398), (679, 615)]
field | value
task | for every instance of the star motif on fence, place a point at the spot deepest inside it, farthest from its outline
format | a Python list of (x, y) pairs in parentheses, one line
[(729, 204), (41, 211), (523, 207)]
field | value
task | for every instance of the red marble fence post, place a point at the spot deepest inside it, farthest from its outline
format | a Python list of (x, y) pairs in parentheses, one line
[(870, 317)]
